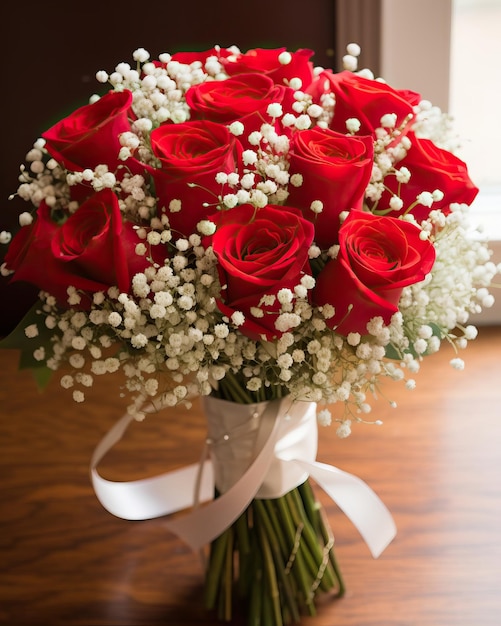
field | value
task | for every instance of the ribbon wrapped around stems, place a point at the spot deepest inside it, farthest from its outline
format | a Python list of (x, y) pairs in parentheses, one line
[(258, 450)]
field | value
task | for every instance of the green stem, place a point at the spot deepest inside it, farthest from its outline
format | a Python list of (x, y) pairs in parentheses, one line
[(284, 540), (299, 568), (257, 591), (317, 557), (244, 554), (230, 389), (274, 612), (310, 505), (327, 535), (228, 575), (317, 516), (215, 569), (267, 522)]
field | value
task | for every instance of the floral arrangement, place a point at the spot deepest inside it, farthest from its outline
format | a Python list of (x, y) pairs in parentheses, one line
[(249, 227)]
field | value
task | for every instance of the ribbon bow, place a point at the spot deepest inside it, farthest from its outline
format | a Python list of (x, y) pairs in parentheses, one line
[(284, 445)]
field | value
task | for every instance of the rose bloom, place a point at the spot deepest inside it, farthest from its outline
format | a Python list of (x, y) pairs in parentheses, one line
[(431, 168), (90, 135), (190, 155), (244, 98), (267, 62), (201, 57), (378, 257), (259, 252), (91, 251), (336, 170), (362, 98), (29, 254)]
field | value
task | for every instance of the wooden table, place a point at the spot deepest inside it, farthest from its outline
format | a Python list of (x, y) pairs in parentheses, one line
[(436, 463)]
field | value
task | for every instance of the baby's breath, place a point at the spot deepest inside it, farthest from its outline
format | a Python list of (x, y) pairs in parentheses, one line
[(168, 337)]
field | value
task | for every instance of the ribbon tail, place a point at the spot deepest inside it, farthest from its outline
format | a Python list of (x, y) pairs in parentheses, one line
[(153, 497), (359, 502), (149, 497), (174, 491)]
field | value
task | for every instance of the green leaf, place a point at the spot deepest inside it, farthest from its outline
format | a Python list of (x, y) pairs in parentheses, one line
[(392, 353), (436, 330), (42, 376), (17, 340)]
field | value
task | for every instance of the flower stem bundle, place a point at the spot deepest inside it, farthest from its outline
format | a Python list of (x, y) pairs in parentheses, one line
[(275, 559)]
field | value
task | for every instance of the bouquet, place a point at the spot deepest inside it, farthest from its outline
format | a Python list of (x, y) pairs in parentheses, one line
[(269, 236)]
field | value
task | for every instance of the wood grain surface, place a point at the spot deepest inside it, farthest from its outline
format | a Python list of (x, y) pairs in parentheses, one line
[(435, 462)]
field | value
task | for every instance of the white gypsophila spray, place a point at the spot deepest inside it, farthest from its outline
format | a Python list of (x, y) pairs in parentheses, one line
[(168, 336)]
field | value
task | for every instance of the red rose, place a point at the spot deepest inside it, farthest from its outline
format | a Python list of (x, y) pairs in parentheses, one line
[(29, 254), (267, 62), (336, 170), (412, 97), (93, 250), (362, 98), (90, 135), (99, 244), (192, 153), (431, 168), (378, 257), (259, 252), (244, 97), (193, 56)]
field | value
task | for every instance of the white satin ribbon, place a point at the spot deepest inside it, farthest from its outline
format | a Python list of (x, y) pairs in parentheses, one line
[(279, 462)]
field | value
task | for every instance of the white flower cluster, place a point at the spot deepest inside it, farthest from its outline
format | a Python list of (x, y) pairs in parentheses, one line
[(456, 288), (432, 123), (158, 89), (169, 337), (177, 344), (43, 179)]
